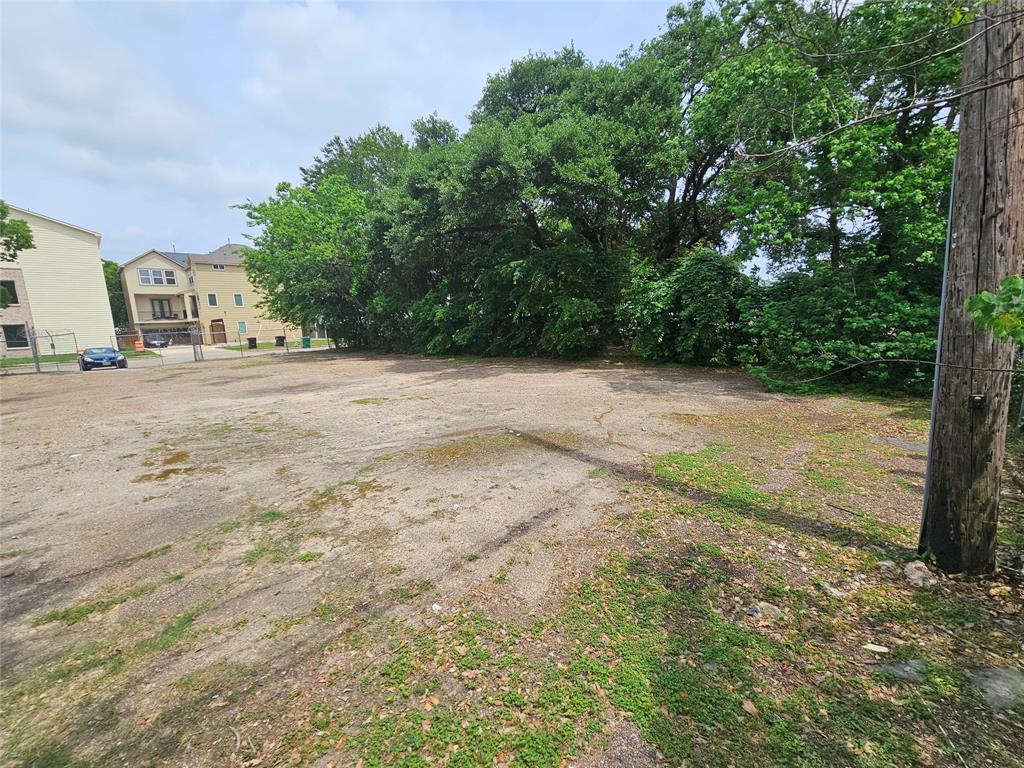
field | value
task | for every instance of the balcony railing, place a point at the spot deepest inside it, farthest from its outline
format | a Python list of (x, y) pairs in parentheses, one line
[(145, 317)]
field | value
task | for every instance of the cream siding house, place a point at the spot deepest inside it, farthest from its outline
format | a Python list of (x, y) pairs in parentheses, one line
[(156, 286), (170, 293), (227, 301), (59, 285)]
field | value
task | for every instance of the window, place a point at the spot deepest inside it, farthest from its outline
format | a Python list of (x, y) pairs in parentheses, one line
[(9, 294), (211, 299), (16, 336), (191, 279), (161, 309), (157, 277), (218, 267), (238, 299), (242, 327)]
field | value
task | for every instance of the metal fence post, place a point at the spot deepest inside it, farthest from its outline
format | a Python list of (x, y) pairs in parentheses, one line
[(34, 343)]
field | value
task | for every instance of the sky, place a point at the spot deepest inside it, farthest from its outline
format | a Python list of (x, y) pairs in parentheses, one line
[(148, 121)]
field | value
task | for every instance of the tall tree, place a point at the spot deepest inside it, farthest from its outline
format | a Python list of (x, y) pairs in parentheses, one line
[(309, 256), (115, 293), (368, 162), (986, 245)]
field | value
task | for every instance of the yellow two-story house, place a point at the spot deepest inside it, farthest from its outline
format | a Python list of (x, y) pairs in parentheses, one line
[(168, 294), (155, 287)]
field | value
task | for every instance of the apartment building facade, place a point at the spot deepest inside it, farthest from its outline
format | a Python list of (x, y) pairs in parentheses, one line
[(55, 288), (168, 294)]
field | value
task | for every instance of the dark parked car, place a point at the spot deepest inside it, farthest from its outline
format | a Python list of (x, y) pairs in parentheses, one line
[(101, 357), (157, 342)]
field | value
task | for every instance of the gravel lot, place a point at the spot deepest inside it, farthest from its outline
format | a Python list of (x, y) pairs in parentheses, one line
[(453, 458), (341, 559), (394, 472)]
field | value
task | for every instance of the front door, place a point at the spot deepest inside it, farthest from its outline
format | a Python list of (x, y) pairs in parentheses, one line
[(217, 332)]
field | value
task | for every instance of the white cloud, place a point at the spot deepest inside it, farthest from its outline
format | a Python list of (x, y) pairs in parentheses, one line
[(147, 121), (321, 69), (63, 79)]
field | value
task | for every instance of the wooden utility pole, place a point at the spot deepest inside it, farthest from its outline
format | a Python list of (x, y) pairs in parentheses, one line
[(986, 243)]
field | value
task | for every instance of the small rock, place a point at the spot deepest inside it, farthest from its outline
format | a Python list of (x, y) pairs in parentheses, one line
[(435, 608), (710, 667), (875, 648), (904, 670), (887, 566), (765, 612), (831, 591), (917, 573), (1002, 688), (915, 446)]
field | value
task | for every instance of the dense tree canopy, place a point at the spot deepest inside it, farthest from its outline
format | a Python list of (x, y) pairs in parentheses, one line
[(629, 202), (15, 235), (115, 293)]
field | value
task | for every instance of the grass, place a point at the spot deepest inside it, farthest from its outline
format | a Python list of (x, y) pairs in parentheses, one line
[(474, 447), (634, 637), (68, 357), (410, 591), (274, 549), (81, 611), (157, 552), (651, 629)]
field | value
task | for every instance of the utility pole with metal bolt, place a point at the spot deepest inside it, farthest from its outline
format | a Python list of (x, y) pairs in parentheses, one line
[(986, 243)]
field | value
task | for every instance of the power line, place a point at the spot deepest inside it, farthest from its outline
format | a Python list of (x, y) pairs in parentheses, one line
[(902, 360), (879, 115)]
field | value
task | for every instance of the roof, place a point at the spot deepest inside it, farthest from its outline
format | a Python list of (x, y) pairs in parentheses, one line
[(167, 256), (181, 259), (16, 209), (230, 253)]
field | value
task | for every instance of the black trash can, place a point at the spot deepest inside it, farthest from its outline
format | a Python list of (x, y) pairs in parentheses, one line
[(279, 341), (252, 342)]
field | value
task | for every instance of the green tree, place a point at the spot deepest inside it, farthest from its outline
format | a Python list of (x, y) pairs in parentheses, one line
[(588, 204), (115, 293), (687, 310), (368, 162), (15, 235), (309, 256)]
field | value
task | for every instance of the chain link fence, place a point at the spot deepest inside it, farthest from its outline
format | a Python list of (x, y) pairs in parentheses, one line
[(59, 351), (274, 338)]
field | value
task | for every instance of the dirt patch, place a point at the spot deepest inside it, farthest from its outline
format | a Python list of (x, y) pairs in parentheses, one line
[(286, 572)]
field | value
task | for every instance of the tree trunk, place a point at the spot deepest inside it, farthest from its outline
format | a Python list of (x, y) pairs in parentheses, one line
[(971, 403)]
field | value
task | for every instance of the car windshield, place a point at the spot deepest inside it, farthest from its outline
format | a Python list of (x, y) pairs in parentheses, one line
[(99, 351)]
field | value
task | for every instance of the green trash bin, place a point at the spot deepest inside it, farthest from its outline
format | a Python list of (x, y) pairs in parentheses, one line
[(306, 342)]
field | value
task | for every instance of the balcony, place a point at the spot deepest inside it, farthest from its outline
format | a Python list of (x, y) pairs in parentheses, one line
[(152, 317), (163, 314)]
